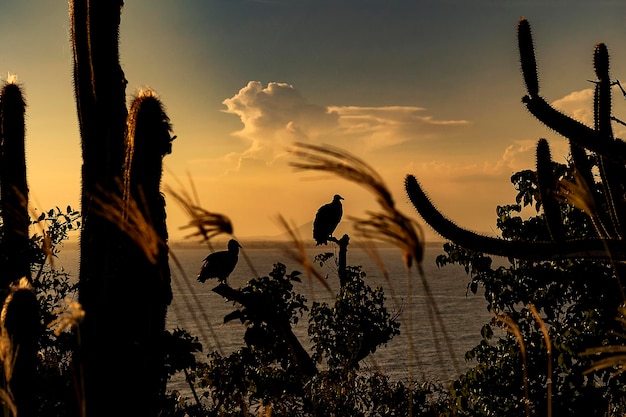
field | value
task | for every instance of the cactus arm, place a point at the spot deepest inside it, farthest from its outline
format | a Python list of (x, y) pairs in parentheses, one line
[(527, 57), (569, 249), (547, 185), (611, 172), (577, 132), (600, 141)]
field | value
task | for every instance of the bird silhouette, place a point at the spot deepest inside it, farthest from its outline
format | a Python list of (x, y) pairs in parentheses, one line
[(220, 264), (326, 220)]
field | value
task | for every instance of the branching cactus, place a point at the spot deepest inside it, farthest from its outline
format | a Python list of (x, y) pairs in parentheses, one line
[(124, 281), (606, 209)]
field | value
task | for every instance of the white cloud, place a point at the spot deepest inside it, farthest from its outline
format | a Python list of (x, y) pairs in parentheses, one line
[(276, 116), (381, 127)]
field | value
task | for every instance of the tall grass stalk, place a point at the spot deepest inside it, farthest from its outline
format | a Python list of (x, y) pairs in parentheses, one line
[(8, 356), (387, 225), (126, 215), (578, 194), (514, 329), (207, 224), (300, 255), (546, 337), (70, 318)]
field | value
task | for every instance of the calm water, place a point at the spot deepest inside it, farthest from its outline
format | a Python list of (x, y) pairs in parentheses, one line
[(442, 327)]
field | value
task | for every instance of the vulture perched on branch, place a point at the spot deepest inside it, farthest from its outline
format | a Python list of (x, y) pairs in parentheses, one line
[(220, 264), (326, 220)]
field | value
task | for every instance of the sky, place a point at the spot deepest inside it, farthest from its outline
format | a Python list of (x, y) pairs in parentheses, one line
[(430, 88)]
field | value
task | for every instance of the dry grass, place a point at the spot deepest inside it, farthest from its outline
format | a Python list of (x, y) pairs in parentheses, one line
[(128, 217), (546, 337), (512, 327), (300, 255), (389, 224), (578, 194), (205, 224)]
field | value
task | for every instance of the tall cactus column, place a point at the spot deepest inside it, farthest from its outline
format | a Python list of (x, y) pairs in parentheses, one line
[(20, 317), (13, 187), (124, 283), (146, 273), (100, 89)]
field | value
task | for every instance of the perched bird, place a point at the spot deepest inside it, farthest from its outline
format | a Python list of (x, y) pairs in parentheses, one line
[(326, 220), (220, 264)]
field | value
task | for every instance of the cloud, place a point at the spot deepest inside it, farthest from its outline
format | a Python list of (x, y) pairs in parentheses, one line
[(381, 127), (516, 157), (275, 116)]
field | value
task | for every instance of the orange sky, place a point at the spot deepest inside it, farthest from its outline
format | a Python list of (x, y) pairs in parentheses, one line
[(431, 89)]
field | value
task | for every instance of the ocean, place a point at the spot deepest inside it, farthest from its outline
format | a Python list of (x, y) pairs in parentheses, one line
[(441, 326)]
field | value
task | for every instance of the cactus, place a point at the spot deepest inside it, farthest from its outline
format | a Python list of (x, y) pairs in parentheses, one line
[(123, 288), (100, 99), (20, 313), (146, 273), (21, 321), (13, 187), (598, 140), (547, 187)]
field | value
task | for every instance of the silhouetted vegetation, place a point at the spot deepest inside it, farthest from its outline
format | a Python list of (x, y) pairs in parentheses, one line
[(556, 300), (562, 288)]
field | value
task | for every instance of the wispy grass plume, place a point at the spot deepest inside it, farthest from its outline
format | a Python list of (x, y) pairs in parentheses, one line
[(546, 337), (578, 194), (126, 214), (514, 329), (388, 225), (205, 224), (299, 253)]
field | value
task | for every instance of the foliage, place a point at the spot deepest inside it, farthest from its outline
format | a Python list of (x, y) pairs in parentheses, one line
[(53, 287), (579, 301), (267, 373), (352, 328)]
